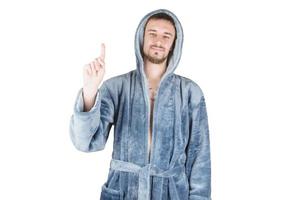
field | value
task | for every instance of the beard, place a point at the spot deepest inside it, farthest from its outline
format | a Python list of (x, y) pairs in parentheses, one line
[(154, 59)]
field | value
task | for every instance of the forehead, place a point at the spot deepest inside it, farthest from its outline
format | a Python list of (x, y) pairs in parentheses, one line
[(160, 25)]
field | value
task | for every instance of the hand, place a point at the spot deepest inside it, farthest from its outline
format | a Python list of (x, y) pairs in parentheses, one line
[(93, 74)]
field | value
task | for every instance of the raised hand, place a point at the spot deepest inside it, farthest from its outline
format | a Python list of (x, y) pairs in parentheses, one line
[(93, 74)]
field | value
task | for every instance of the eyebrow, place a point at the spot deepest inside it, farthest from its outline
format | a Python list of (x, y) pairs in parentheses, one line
[(153, 30)]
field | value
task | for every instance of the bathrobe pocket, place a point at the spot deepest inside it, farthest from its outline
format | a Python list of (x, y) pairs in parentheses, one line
[(111, 194)]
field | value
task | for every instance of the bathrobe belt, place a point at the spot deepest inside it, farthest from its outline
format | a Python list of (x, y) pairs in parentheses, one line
[(144, 174)]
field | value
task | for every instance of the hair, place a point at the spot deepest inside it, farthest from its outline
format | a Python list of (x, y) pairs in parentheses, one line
[(162, 16), (167, 17)]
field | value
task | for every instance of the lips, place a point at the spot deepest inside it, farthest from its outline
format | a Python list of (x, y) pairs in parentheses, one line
[(157, 48)]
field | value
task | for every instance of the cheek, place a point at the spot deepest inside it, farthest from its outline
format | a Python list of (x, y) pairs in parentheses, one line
[(169, 46), (149, 44), (146, 44)]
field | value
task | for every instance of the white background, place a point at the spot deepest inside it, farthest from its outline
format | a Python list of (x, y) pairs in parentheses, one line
[(245, 55)]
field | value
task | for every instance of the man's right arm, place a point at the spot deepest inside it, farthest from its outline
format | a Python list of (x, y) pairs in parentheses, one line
[(93, 113), (89, 129), (89, 100)]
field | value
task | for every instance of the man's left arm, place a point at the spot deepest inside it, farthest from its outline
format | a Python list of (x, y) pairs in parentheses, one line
[(198, 163)]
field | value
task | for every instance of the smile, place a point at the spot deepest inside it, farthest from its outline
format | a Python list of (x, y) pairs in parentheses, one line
[(157, 48)]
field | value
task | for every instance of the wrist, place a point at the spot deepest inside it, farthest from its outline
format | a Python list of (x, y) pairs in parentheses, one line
[(89, 93)]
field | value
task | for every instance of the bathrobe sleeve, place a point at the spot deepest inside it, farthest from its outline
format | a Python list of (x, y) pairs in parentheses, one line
[(89, 130), (198, 162)]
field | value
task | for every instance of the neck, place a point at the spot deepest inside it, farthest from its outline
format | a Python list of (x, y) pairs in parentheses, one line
[(154, 71)]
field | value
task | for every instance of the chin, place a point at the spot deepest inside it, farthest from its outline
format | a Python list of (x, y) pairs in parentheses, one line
[(158, 54)]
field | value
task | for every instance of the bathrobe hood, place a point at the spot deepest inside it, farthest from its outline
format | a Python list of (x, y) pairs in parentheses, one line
[(176, 53)]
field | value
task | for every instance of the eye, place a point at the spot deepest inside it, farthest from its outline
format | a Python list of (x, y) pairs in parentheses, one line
[(152, 34), (166, 37)]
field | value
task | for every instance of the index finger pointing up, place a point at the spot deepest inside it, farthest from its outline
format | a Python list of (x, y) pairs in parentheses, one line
[(102, 55)]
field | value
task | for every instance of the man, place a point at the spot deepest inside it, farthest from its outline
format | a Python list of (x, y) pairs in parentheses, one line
[(161, 137)]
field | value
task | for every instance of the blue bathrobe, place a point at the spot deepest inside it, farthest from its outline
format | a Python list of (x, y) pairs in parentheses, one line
[(179, 167)]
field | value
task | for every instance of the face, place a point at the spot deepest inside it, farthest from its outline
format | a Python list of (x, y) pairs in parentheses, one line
[(158, 40)]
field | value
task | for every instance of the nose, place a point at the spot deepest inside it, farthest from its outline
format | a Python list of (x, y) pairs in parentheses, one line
[(158, 43)]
